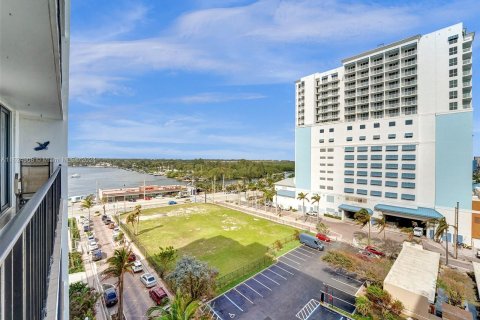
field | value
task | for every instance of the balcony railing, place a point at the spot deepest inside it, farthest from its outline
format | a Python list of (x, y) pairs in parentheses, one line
[(467, 61), (29, 250)]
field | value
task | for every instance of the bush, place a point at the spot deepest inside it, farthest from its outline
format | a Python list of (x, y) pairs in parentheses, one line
[(75, 262), (339, 260), (296, 234), (82, 301), (277, 245), (457, 285), (332, 216), (74, 232), (322, 228)]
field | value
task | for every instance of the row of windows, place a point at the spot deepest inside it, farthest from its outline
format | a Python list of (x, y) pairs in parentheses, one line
[(406, 185), (374, 193), (377, 165), (405, 175), (375, 137), (388, 157), (405, 147), (375, 125)]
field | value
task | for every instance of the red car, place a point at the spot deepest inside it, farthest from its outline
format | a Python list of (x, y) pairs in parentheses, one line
[(132, 257), (157, 294), (323, 237), (374, 251)]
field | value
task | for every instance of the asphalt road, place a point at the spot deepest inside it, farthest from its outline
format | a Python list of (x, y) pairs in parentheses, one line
[(136, 298)]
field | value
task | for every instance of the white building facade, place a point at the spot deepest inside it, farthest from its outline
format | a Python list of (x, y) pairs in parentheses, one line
[(390, 131)]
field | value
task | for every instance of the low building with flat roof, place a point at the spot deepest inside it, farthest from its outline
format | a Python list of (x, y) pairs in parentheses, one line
[(413, 280), (121, 194)]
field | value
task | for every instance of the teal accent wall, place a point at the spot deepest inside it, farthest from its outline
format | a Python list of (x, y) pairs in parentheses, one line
[(303, 158), (453, 159)]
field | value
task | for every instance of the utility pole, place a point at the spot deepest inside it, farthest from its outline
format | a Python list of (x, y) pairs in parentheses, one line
[(456, 231)]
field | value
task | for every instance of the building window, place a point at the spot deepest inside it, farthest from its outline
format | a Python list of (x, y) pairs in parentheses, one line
[(452, 62), (361, 181), (321, 130), (376, 125), (348, 172), (362, 138), (376, 137), (349, 165), (362, 126), (453, 95), (349, 128), (376, 174), (362, 149), (5, 191), (410, 197), (376, 182), (362, 173), (453, 106), (452, 51), (362, 192), (349, 157), (391, 175), (321, 140), (453, 83), (376, 165), (330, 130), (408, 157), (408, 122), (348, 190), (409, 147), (410, 176), (452, 73), (392, 184), (376, 193), (349, 149), (391, 124), (376, 148), (409, 135), (452, 39), (408, 185), (362, 165), (376, 157), (331, 140), (330, 150), (391, 157), (391, 166), (391, 195), (349, 138), (408, 166), (392, 136), (362, 157), (391, 148)]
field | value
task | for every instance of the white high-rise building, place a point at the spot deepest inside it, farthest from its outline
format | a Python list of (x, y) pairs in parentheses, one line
[(390, 131)]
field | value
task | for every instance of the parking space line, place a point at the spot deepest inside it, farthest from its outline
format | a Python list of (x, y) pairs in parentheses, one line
[(304, 247), (276, 265), (308, 251), (243, 295), (303, 254), (291, 260), (225, 295), (350, 294), (262, 284), (345, 283), (289, 265), (303, 259), (253, 289), (269, 278), (350, 278), (269, 269)]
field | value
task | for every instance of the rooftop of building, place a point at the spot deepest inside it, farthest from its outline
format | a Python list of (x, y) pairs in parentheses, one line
[(289, 182), (415, 270)]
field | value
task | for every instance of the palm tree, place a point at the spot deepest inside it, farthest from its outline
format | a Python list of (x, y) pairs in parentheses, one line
[(138, 212), (132, 219), (118, 265), (440, 231), (382, 223), (303, 196), (316, 199), (87, 203), (363, 218), (181, 308)]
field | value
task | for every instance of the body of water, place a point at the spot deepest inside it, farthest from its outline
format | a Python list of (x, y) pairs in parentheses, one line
[(109, 178)]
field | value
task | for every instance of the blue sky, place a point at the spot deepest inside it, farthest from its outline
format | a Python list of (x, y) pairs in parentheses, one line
[(215, 79)]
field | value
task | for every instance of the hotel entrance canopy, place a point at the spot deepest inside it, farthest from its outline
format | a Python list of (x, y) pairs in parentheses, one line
[(419, 213)]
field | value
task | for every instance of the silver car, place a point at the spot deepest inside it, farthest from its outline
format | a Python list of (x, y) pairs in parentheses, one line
[(148, 280)]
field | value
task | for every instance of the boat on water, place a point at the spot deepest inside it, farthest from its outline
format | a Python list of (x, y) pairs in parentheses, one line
[(75, 175)]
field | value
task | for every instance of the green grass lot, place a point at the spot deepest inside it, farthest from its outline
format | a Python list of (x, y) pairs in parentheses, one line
[(225, 238)]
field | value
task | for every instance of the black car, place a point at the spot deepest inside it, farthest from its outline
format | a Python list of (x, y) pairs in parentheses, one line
[(104, 217), (107, 221), (97, 255), (110, 296)]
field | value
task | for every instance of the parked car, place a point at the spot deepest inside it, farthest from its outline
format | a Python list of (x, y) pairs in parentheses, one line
[(104, 217), (148, 280), (418, 232), (116, 229), (365, 255), (478, 253), (107, 221), (311, 241), (374, 251), (132, 257), (137, 266), (96, 255), (157, 294), (90, 237), (111, 225), (110, 296), (171, 202), (311, 213), (92, 245), (323, 237), (86, 228)]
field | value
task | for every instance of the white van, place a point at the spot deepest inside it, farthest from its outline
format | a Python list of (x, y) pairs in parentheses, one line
[(418, 232)]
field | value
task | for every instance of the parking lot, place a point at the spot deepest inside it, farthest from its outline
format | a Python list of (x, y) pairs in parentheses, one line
[(286, 288)]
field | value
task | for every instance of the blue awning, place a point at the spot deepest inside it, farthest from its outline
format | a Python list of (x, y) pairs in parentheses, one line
[(420, 212), (351, 208)]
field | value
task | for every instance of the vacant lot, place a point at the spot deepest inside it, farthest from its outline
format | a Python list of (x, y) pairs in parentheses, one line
[(225, 238)]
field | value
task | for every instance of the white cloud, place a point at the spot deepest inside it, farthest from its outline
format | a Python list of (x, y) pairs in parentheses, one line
[(216, 97)]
